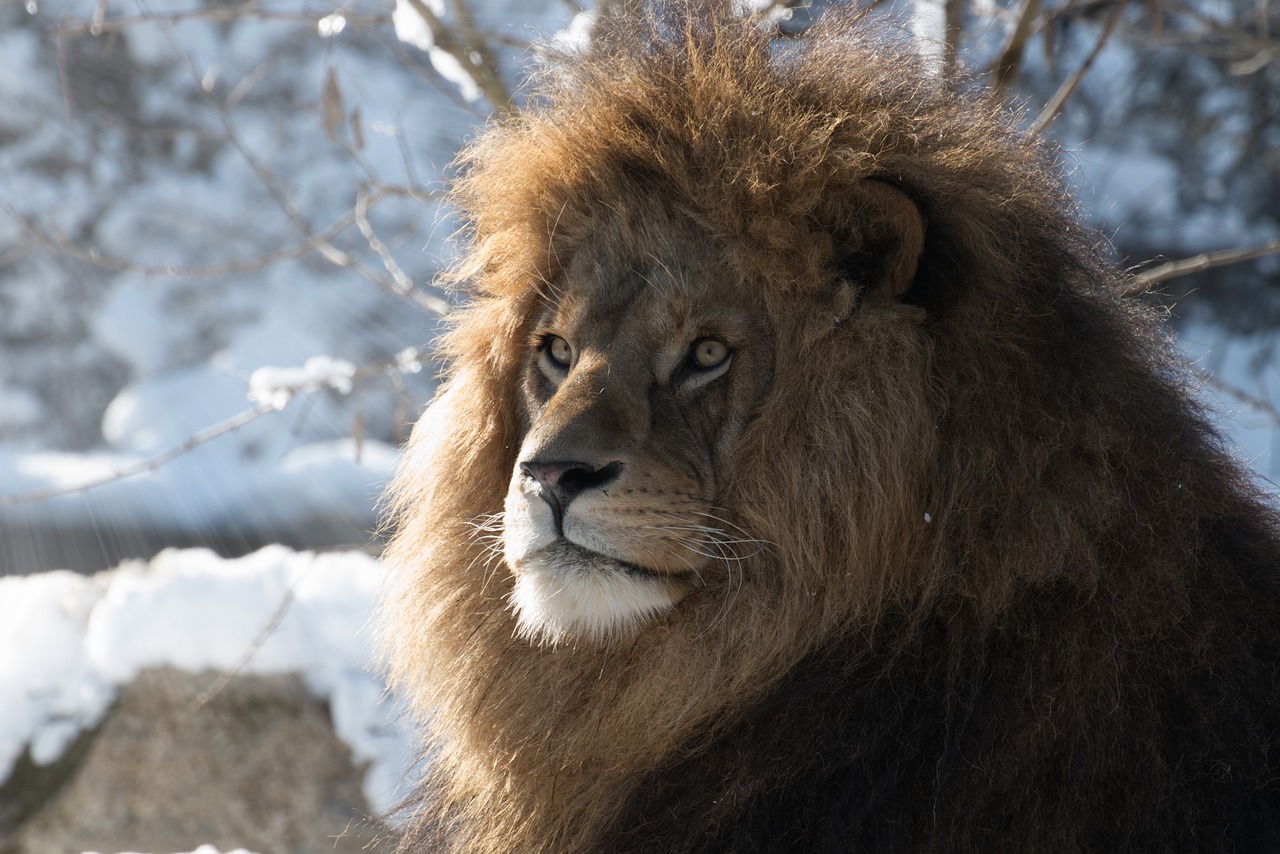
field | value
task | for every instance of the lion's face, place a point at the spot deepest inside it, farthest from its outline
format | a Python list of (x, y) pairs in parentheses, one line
[(641, 372)]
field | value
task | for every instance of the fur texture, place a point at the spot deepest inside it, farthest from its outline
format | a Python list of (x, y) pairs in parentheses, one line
[(1014, 595)]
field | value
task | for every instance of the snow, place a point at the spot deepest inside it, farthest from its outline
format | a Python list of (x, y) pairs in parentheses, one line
[(19, 407), (929, 28), (122, 148), (68, 641), (275, 387), (413, 29), (575, 38)]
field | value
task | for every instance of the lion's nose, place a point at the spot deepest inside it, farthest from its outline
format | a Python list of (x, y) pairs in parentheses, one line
[(561, 482)]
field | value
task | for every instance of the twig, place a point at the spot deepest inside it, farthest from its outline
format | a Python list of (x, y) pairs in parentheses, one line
[(953, 15), (484, 65), (1198, 263), (1005, 69), (235, 422), (120, 265), (1244, 397), (401, 283), (1068, 87), (272, 182), (221, 14), (268, 630), (64, 77), (1233, 35), (471, 52), (241, 12), (406, 360)]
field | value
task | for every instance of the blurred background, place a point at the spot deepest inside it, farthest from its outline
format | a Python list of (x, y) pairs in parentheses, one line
[(220, 223)]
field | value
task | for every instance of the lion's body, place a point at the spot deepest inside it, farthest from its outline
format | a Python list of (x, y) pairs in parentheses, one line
[(941, 556)]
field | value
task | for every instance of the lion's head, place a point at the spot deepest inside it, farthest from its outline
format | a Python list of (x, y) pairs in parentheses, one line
[(646, 360), (642, 368), (766, 350)]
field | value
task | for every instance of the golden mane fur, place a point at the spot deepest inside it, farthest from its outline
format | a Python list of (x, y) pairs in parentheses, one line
[(927, 471)]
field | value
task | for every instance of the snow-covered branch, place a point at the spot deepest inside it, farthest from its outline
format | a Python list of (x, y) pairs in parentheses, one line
[(270, 389)]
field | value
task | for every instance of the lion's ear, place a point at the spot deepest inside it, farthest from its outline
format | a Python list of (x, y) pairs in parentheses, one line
[(885, 253)]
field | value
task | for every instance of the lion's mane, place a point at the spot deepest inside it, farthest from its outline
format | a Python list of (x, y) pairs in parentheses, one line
[(1016, 595)]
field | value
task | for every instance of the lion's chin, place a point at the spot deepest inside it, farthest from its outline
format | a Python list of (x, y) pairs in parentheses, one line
[(566, 594)]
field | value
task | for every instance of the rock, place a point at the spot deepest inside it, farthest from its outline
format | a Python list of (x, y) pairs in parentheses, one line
[(183, 760)]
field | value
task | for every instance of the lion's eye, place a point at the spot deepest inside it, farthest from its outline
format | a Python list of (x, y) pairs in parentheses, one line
[(708, 353), (558, 351)]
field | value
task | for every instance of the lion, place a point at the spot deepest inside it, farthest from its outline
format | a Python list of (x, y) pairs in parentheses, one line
[(801, 482)]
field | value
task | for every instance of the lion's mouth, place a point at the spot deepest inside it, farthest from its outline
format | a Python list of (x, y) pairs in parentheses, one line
[(568, 591), (580, 557)]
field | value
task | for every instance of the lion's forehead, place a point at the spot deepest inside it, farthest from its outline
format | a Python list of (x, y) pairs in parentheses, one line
[(654, 302)]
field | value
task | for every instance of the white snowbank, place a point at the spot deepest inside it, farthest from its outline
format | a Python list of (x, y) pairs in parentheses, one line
[(67, 641)]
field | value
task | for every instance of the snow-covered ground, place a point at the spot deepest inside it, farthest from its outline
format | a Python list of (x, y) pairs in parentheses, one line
[(68, 641)]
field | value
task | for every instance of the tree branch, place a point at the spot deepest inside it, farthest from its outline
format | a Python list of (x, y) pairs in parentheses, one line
[(471, 52), (235, 422), (1006, 67), (405, 361), (1198, 263), (1244, 397), (1069, 86)]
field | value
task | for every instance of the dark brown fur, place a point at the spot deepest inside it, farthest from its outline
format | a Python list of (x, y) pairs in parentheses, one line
[(1017, 596)]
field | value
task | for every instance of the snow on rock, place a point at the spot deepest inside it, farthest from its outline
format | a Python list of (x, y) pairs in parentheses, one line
[(67, 641)]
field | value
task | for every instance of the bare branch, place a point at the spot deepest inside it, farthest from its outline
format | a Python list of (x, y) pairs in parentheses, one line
[(1069, 86), (98, 259), (939, 25), (235, 422), (218, 14), (276, 188), (1007, 65), (954, 16), (401, 283), (97, 27), (64, 77), (224, 679), (406, 361), (1246, 45), (471, 51), (1249, 400), (1198, 263), (484, 63)]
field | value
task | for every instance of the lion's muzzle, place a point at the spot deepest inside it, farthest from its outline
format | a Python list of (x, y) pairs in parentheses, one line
[(559, 483)]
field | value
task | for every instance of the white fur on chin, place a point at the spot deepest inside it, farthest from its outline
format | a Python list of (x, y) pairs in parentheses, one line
[(565, 592), (557, 601)]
